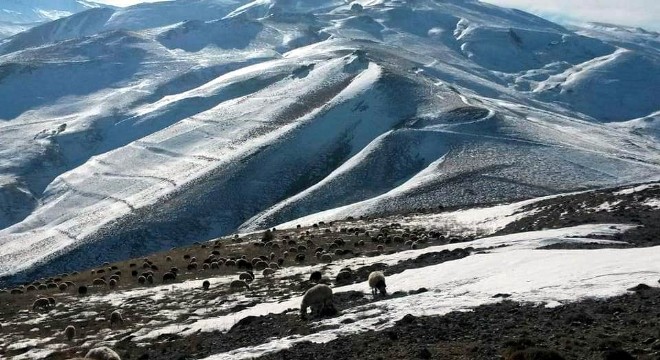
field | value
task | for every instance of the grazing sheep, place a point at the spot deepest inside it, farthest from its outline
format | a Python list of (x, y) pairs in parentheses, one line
[(268, 272), (102, 353), (169, 276), (238, 285), (70, 332), (206, 284), (82, 290), (344, 278), (247, 277), (41, 303), (315, 277), (230, 263), (380, 248), (377, 283), (318, 298), (99, 282), (300, 258), (215, 265), (112, 283), (51, 301), (43, 287), (142, 279), (274, 266), (168, 258), (326, 258), (116, 318), (280, 261), (260, 265), (134, 273), (31, 288)]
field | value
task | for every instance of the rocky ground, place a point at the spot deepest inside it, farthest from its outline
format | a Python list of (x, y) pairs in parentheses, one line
[(591, 329)]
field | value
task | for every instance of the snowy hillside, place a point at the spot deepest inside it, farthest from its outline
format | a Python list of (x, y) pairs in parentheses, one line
[(19, 15), (128, 131)]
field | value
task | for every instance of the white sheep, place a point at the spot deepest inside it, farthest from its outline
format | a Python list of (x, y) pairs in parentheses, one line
[(116, 318), (377, 283), (102, 353), (319, 297)]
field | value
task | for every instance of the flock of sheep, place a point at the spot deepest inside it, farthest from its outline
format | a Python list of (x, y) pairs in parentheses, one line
[(318, 298)]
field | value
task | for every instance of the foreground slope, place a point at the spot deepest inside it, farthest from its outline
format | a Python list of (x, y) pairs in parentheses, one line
[(467, 272), (143, 135)]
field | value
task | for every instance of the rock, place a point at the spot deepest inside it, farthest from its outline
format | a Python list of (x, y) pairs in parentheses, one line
[(639, 287), (501, 295), (424, 354), (617, 354), (408, 319)]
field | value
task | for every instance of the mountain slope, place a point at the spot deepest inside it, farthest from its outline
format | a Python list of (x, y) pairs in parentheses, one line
[(162, 124)]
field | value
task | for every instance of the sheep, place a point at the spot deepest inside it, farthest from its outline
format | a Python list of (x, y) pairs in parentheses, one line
[(102, 353), (377, 283), (51, 301), (274, 266), (238, 285), (116, 318), (268, 272), (99, 282), (326, 258), (169, 276), (315, 277), (247, 277), (318, 298), (260, 265), (344, 278), (70, 332), (82, 290), (206, 284), (142, 279), (41, 303), (112, 283), (150, 279)]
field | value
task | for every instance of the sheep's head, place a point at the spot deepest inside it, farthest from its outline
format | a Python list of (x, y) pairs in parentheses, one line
[(381, 287)]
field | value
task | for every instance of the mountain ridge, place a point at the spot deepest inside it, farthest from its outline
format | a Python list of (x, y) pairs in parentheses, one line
[(141, 136)]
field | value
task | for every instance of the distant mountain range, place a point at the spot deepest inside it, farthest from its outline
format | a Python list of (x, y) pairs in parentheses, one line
[(20, 15)]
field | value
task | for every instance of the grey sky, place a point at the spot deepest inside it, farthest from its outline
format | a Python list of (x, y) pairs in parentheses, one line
[(644, 13)]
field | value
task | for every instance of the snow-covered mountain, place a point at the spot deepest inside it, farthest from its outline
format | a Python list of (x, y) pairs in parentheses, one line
[(127, 131), (19, 15)]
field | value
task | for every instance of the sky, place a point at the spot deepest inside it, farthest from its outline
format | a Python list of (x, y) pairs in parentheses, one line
[(643, 13)]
